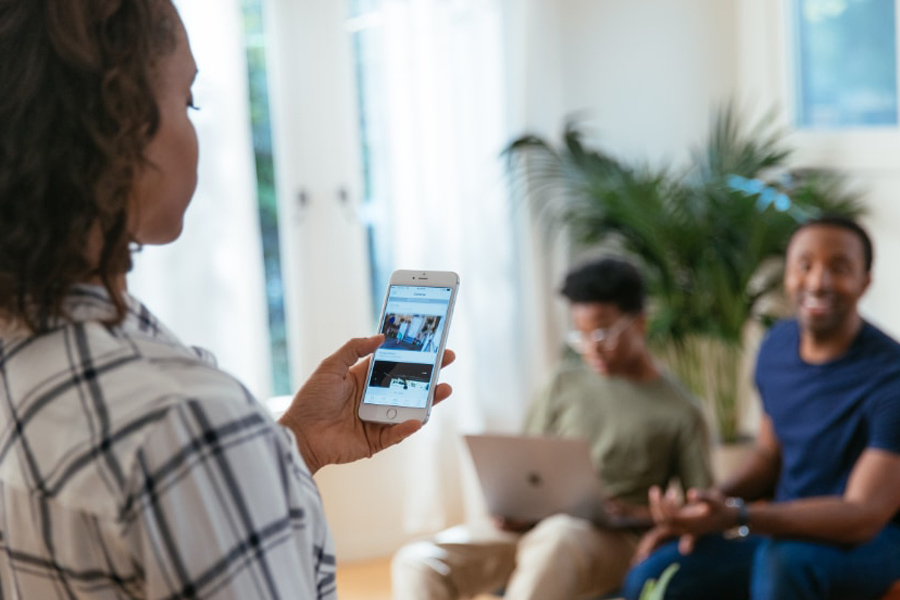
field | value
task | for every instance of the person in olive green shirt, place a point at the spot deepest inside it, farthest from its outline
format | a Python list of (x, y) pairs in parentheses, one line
[(643, 429)]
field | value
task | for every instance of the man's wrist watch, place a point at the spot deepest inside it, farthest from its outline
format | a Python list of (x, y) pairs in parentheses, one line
[(742, 528)]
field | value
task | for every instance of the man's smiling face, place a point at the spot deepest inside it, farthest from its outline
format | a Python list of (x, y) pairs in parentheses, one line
[(825, 275)]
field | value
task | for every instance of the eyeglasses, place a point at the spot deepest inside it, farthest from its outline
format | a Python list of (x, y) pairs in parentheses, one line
[(581, 341)]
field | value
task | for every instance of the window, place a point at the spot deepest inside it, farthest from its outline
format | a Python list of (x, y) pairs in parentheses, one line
[(265, 175), (846, 67)]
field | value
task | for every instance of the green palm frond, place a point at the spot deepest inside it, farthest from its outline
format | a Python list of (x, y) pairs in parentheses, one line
[(732, 149)]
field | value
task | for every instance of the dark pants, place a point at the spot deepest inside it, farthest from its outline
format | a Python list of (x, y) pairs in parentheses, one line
[(765, 569)]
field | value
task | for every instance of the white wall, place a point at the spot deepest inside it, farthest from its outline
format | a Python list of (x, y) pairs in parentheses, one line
[(646, 73)]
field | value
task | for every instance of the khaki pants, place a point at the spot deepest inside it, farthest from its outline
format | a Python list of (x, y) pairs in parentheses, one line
[(562, 558)]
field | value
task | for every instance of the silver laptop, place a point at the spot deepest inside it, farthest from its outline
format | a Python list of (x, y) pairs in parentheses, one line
[(528, 478)]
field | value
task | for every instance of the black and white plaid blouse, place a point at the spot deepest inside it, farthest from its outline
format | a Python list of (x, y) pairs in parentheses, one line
[(131, 467)]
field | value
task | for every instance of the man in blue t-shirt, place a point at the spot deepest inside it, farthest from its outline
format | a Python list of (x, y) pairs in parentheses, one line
[(814, 511)]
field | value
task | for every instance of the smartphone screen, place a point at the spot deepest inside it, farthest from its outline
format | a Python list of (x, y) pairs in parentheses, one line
[(403, 366)]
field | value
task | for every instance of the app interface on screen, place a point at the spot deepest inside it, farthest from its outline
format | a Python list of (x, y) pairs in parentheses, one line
[(413, 324)]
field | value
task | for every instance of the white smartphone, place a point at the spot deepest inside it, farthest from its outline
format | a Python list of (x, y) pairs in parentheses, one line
[(415, 321)]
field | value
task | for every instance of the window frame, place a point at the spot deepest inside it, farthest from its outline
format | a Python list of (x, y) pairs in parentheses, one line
[(767, 62)]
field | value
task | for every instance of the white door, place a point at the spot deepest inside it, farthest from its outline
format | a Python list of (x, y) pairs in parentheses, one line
[(317, 165)]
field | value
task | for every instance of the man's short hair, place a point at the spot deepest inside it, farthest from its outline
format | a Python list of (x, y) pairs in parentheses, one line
[(609, 281), (844, 223)]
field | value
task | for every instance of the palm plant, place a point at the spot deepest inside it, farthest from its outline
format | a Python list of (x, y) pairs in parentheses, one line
[(703, 234)]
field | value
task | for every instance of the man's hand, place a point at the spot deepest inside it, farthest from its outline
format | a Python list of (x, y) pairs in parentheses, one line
[(704, 512), (324, 413), (634, 513)]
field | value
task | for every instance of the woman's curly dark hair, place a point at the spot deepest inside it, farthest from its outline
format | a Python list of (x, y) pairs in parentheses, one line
[(77, 110)]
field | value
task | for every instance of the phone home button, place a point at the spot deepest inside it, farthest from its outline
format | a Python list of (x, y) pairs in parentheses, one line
[(391, 413)]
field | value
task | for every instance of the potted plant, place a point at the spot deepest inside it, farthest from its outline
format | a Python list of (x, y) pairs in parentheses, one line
[(710, 236)]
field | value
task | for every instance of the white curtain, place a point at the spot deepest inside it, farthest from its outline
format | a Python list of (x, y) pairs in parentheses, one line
[(535, 101), (208, 286), (447, 119)]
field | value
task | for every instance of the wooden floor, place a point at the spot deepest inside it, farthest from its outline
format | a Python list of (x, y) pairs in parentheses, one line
[(365, 581), (370, 580)]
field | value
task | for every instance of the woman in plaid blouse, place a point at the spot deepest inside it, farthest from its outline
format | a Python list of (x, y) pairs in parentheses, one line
[(130, 466)]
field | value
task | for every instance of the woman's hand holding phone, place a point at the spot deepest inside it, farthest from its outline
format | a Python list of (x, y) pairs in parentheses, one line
[(324, 414), (404, 370)]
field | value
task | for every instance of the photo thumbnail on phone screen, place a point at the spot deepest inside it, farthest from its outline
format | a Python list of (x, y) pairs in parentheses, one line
[(404, 365)]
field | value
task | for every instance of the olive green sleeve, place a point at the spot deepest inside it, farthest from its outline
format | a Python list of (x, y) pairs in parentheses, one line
[(694, 464), (542, 413)]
